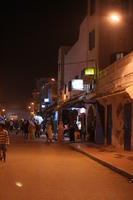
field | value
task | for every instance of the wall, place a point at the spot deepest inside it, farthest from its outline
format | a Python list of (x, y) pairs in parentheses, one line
[(115, 87), (76, 59)]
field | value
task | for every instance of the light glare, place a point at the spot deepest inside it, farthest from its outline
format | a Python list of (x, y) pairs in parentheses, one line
[(19, 184), (115, 18)]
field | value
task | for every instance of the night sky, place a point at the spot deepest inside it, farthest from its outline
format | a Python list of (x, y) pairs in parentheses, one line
[(31, 33)]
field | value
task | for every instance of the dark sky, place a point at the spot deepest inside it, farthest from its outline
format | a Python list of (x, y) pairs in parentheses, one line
[(31, 33)]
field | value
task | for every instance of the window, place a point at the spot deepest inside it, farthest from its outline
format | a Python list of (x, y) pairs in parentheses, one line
[(82, 73), (64, 89), (92, 7), (76, 77), (92, 40), (117, 56), (69, 86)]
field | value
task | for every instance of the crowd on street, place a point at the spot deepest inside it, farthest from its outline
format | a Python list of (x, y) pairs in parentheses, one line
[(32, 129)]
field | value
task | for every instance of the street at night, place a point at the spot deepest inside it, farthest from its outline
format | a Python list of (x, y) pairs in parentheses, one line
[(40, 171), (66, 100)]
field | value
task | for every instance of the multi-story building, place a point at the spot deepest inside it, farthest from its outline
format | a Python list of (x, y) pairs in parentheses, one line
[(102, 39), (47, 90), (105, 36), (61, 56)]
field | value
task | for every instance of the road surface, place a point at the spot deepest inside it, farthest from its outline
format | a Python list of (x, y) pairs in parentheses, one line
[(39, 171)]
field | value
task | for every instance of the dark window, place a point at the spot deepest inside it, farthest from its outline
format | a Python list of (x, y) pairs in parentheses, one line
[(92, 40), (64, 89), (82, 73), (125, 5), (117, 56), (91, 87), (112, 58), (69, 86), (92, 7), (76, 77)]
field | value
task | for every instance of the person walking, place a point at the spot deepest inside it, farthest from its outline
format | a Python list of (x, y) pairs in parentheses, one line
[(4, 139), (71, 133), (38, 129), (60, 132), (31, 130), (76, 132), (49, 131)]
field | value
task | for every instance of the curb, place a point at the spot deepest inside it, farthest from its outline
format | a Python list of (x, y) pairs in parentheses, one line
[(104, 163)]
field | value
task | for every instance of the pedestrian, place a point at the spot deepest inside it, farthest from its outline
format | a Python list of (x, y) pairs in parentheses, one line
[(38, 129), (11, 126), (71, 133), (60, 132), (76, 132), (49, 131), (4, 139), (31, 130)]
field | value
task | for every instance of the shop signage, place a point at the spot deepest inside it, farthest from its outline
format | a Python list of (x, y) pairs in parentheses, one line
[(77, 84), (89, 71), (46, 100)]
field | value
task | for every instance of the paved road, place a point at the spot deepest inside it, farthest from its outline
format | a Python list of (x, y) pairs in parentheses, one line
[(40, 171)]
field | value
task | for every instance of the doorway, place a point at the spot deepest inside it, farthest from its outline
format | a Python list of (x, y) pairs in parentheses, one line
[(127, 126), (109, 124)]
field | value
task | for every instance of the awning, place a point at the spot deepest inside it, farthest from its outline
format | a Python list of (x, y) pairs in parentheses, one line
[(78, 101)]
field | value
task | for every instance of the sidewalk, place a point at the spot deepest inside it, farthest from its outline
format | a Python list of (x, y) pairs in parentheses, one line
[(121, 162)]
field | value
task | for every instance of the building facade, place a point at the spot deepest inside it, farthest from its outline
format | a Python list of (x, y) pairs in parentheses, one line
[(102, 41), (115, 96)]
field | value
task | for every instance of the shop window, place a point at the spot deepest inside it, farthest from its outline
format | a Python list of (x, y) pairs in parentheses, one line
[(92, 7), (69, 86), (92, 40)]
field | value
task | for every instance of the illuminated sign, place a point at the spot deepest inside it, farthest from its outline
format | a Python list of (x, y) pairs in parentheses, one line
[(46, 100), (77, 84), (43, 106), (89, 71)]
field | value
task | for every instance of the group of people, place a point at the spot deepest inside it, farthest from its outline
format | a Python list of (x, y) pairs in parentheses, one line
[(32, 129)]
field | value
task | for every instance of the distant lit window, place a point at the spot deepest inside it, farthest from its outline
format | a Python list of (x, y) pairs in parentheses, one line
[(92, 40), (92, 7), (119, 56)]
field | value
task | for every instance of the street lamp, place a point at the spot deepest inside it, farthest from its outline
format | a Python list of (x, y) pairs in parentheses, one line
[(114, 18)]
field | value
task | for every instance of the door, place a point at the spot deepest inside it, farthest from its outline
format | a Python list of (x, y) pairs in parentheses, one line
[(109, 124), (127, 126), (100, 123)]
